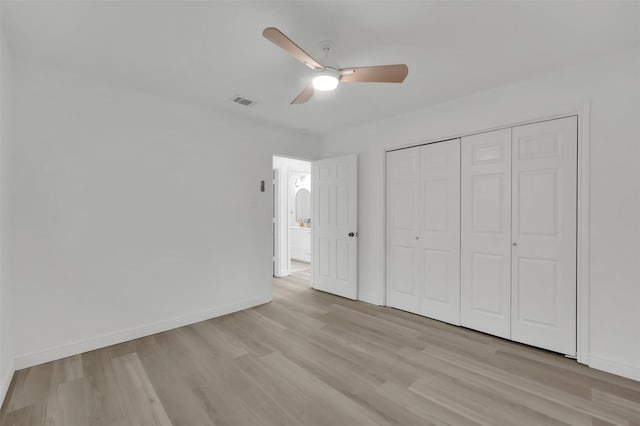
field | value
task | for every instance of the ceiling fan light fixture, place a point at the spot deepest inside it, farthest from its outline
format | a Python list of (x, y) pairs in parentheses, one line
[(326, 80)]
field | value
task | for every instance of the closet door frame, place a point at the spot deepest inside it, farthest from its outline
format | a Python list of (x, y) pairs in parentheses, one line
[(582, 111)]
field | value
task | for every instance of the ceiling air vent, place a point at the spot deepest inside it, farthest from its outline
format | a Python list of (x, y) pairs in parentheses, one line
[(243, 101)]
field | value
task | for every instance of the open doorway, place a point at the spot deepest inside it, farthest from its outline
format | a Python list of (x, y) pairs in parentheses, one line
[(292, 219)]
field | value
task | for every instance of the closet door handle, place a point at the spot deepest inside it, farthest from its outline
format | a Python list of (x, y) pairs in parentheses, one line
[(351, 234)]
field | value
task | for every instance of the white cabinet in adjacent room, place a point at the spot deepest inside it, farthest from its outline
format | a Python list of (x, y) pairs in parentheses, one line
[(300, 243)]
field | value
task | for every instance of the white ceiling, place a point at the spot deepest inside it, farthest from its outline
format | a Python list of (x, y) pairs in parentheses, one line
[(207, 52)]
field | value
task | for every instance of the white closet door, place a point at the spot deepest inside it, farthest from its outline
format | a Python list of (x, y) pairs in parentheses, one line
[(403, 229), (544, 234), (439, 243), (486, 231)]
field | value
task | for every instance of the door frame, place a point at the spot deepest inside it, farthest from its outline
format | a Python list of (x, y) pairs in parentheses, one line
[(276, 242), (273, 154), (583, 111)]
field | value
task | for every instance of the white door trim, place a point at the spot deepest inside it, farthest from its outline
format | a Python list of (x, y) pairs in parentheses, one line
[(286, 272), (583, 111), (277, 267)]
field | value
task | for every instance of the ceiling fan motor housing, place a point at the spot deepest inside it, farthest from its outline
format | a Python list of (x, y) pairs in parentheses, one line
[(326, 79)]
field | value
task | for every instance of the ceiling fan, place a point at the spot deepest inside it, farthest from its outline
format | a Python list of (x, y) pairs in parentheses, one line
[(328, 77)]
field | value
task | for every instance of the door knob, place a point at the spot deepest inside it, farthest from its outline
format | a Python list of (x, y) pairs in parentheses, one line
[(514, 244), (351, 234)]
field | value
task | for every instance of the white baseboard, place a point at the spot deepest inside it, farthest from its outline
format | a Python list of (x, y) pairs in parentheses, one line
[(4, 386), (284, 273), (615, 367), (85, 345)]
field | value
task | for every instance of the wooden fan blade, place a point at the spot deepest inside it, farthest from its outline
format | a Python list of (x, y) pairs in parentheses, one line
[(276, 36), (304, 96), (376, 74)]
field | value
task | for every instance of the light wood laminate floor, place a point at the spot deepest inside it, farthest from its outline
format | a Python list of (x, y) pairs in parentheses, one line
[(309, 358), (302, 271)]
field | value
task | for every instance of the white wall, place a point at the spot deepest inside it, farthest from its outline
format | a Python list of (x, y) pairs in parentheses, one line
[(132, 213), (6, 302), (612, 85)]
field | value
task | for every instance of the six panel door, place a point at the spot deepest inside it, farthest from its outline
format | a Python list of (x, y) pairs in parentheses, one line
[(543, 279), (439, 237), (403, 229), (486, 232), (335, 226)]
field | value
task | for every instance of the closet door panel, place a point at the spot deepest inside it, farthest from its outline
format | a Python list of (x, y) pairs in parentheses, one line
[(544, 234), (403, 260), (485, 232), (439, 238)]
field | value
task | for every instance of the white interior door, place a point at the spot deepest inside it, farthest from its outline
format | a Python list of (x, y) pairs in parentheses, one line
[(335, 225), (439, 237), (544, 234), (403, 229), (486, 232)]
